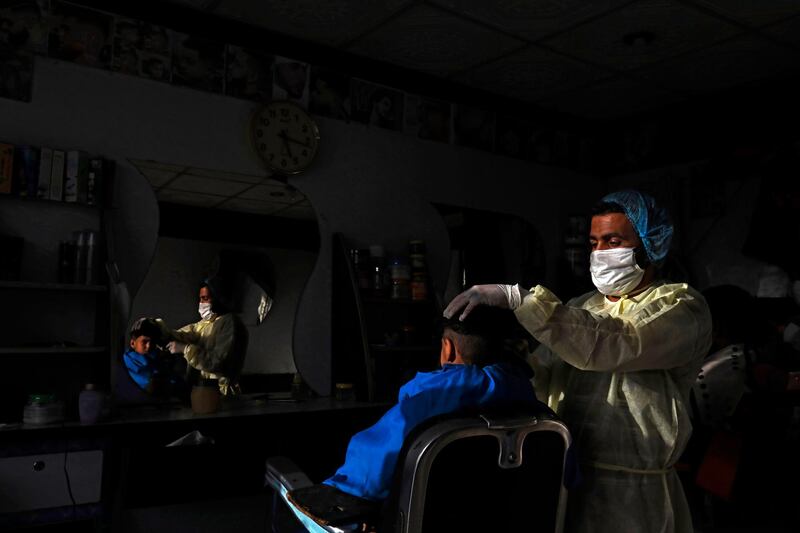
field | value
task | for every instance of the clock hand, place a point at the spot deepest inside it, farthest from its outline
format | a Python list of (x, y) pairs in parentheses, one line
[(290, 139), (285, 138)]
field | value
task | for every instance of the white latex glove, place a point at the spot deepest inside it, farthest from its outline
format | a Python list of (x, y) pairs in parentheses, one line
[(496, 295), (176, 347)]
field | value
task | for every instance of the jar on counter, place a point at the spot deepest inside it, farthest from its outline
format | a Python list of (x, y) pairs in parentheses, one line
[(43, 409), (344, 392), (206, 397)]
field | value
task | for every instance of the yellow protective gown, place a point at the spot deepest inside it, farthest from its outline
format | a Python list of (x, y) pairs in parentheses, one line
[(619, 374), (212, 347)]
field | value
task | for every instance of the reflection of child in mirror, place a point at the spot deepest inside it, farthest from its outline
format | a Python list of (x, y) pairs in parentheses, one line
[(151, 369)]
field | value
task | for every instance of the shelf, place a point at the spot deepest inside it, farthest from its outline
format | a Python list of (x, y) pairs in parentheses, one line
[(22, 350), (411, 348), (42, 201), (35, 285)]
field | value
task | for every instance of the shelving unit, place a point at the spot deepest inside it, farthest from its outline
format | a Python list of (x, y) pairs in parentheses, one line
[(34, 285), (22, 350), (55, 335), (370, 347)]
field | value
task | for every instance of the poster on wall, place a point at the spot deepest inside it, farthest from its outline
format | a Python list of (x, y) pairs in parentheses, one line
[(473, 127), (290, 80), (141, 49), (376, 105), (329, 94), (427, 118), (198, 63), (23, 26), (16, 75), (79, 35), (248, 74)]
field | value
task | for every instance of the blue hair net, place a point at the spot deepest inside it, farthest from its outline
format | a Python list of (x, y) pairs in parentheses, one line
[(651, 222)]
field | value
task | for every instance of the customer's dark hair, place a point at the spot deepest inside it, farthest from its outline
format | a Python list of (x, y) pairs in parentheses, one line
[(479, 337), (145, 326)]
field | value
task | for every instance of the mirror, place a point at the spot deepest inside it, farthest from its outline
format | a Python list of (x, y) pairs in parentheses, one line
[(491, 247), (255, 237)]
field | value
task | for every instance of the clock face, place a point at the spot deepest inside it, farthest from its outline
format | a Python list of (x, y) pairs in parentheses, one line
[(285, 137)]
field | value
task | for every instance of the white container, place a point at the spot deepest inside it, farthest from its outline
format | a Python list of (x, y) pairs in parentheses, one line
[(43, 409), (91, 405)]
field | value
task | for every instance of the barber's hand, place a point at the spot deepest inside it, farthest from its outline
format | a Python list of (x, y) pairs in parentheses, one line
[(176, 347), (503, 296)]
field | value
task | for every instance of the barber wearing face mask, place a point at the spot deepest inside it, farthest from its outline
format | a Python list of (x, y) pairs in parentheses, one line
[(617, 364), (215, 345)]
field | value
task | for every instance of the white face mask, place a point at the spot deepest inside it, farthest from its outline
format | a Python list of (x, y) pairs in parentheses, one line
[(614, 271), (205, 310)]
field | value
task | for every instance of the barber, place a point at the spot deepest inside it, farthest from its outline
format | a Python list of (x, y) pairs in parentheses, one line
[(617, 365)]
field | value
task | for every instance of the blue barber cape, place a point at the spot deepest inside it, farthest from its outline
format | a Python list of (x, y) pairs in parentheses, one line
[(141, 367), (372, 454)]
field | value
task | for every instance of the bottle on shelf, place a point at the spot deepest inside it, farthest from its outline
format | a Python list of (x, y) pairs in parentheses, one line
[(400, 273), (361, 266), (66, 261), (378, 270), (80, 257), (91, 276), (419, 271)]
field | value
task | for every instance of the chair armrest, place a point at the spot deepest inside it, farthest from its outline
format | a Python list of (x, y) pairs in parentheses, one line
[(282, 472)]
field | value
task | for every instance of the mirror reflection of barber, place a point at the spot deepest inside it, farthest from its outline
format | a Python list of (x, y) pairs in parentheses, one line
[(214, 346)]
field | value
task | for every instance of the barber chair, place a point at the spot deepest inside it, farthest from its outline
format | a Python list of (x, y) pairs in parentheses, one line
[(459, 472)]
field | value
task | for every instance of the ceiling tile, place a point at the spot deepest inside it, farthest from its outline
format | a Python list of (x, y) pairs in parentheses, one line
[(330, 23), (272, 193), (251, 206), (431, 40), (673, 27), (188, 198), (531, 19), (224, 175), (157, 177), (611, 99), (724, 65), (754, 12), (207, 185), (531, 74), (787, 30), (298, 212), (148, 163)]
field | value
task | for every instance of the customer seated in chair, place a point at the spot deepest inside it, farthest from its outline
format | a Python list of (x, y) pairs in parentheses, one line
[(476, 373), (154, 370)]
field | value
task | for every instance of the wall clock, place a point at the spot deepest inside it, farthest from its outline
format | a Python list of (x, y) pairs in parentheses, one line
[(285, 137)]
